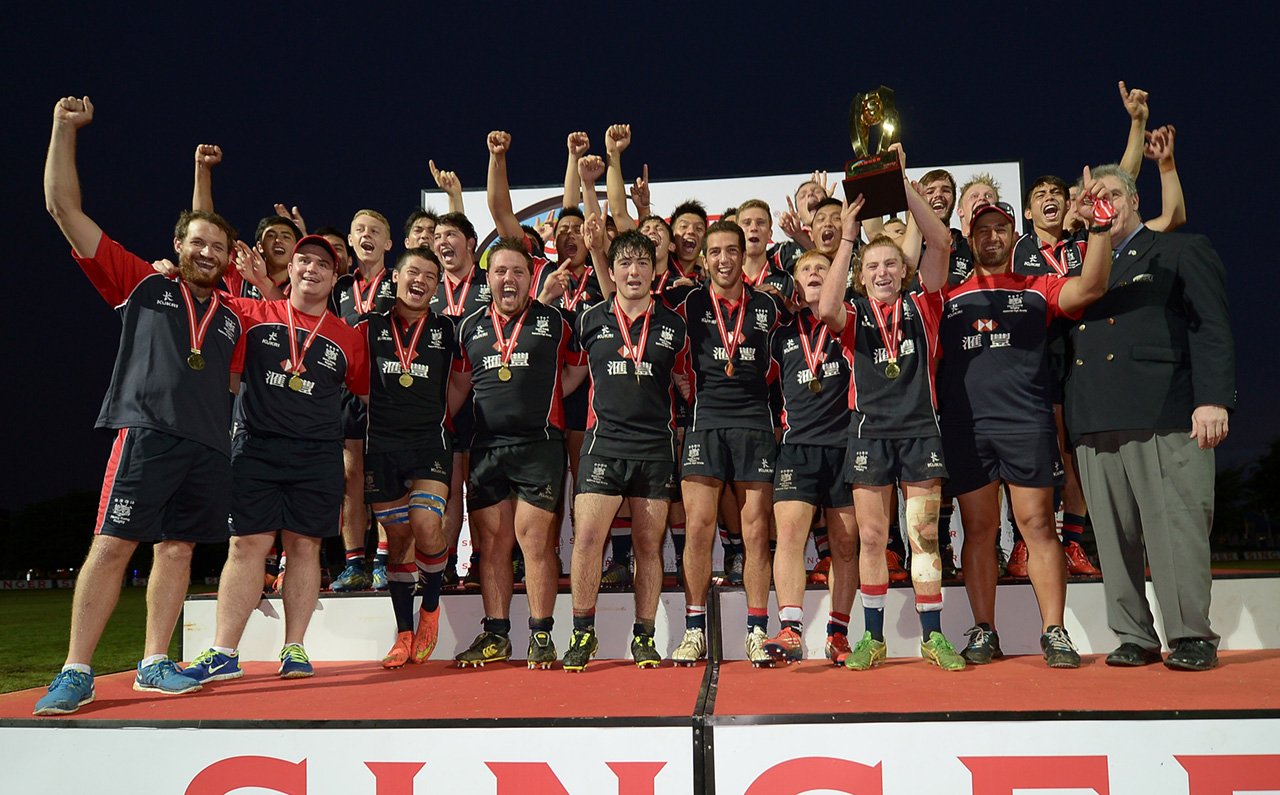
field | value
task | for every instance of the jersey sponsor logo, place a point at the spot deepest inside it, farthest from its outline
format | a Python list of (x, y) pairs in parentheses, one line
[(623, 367), (280, 381), (121, 510), (330, 357), (1000, 340), (273, 340), (693, 455), (1015, 303), (971, 342), (907, 348), (392, 367), (747, 354), (985, 324), (494, 361), (168, 300)]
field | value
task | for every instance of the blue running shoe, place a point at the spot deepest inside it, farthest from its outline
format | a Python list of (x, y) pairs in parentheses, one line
[(163, 676), (379, 577), (294, 663), (69, 691), (355, 577), (214, 666)]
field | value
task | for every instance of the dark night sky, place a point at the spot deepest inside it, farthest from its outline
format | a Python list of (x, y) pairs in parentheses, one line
[(338, 107)]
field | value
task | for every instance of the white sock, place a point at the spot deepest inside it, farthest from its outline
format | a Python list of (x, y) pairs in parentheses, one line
[(224, 650), (153, 659), (81, 667)]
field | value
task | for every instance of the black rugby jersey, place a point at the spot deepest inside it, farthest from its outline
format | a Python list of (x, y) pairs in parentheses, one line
[(960, 264), (152, 385), (720, 400), (777, 278), (461, 299), (354, 296), (240, 287), (629, 414), (894, 408), (814, 418), (577, 296), (408, 417), (995, 374), (1032, 257), (338, 357), (528, 407)]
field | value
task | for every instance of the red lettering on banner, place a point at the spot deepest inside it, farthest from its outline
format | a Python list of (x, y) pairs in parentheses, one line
[(1225, 775), (394, 778), (536, 778), (808, 773), (264, 772), (1001, 775), (636, 778)]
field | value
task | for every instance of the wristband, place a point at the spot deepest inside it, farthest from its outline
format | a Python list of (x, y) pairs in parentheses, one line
[(1100, 230), (847, 240)]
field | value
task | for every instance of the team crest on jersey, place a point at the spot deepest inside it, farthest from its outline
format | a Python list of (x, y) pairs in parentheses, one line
[(482, 292), (542, 327), (1015, 303), (273, 340), (762, 319), (666, 337), (437, 338), (167, 300), (121, 510), (330, 357), (985, 324)]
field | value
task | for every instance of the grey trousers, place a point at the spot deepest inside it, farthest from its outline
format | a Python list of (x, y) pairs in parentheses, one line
[(1152, 492)]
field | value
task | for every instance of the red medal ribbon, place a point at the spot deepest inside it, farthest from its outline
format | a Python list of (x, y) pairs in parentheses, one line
[(730, 349), (405, 355), (657, 290), (891, 348), (1057, 264), (756, 281), (197, 333), (505, 348), (363, 306), (571, 302), (455, 306), (813, 350), (295, 356), (633, 352)]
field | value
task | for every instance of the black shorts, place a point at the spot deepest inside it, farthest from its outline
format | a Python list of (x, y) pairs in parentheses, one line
[(464, 426), (575, 408), (739, 455), (625, 477), (887, 462), (1020, 459), (812, 474), (388, 476), (286, 484), (532, 472), (161, 487), (355, 417)]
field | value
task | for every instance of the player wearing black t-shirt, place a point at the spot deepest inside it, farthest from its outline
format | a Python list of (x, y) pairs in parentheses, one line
[(519, 356), (634, 346), (168, 403), (809, 478), (407, 451), (891, 336), (730, 436), (287, 453), (997, 417)]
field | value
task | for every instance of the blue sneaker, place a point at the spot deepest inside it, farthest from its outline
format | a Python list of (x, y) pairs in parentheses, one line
[(294, 663), (355, 577), (69, 691), (163, 676), (379, 577), (214, 666)]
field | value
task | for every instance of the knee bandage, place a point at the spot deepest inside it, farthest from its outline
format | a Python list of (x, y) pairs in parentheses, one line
[(922, 530), (392, 516), (426, 501)]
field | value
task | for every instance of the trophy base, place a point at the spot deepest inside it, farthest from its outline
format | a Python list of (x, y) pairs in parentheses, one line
[(879, 180)]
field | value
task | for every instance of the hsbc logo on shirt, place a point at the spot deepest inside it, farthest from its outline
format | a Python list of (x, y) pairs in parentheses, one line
[(985, 324)]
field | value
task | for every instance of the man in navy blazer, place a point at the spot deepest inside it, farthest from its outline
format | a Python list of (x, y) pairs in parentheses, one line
[(1150, 387)]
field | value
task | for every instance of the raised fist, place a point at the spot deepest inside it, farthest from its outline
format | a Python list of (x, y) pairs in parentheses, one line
[(617, 138), (578, 143), (499, 142), (75, 111), (208, 155)]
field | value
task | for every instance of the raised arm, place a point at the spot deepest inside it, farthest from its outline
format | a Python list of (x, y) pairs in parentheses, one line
[(640, 194), (499, 187), (831, 300), (590, 169), (616, 140), (1135, 103), (448, 182), (1173, 207), (1091, 284), (597, 242), (578, 143), (207, 156), (62, 181)]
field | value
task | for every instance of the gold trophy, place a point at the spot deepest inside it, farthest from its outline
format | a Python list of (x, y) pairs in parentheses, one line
[(876, 174)]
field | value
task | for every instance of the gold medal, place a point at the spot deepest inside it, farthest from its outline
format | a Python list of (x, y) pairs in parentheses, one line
[(295, 382), (815, 386), (892, 370), (406, 380), (504, 373), (728, 369), (195, 360)]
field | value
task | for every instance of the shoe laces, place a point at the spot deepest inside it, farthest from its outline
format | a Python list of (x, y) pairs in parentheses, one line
[(1058, 639), (838, 642), (164, 668), (203, 657), (940, 643), (979, 636), (866, 644), (71, 678), (294, 654), (581, 638)]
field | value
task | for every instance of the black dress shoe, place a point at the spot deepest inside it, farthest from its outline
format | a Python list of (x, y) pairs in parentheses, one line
[(1131, 655), (1193, 654)]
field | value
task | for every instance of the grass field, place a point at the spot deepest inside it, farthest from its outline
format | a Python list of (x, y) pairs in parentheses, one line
[(33, 636)]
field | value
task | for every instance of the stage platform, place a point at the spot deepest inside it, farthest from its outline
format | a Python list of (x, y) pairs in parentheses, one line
[(721, 727)]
